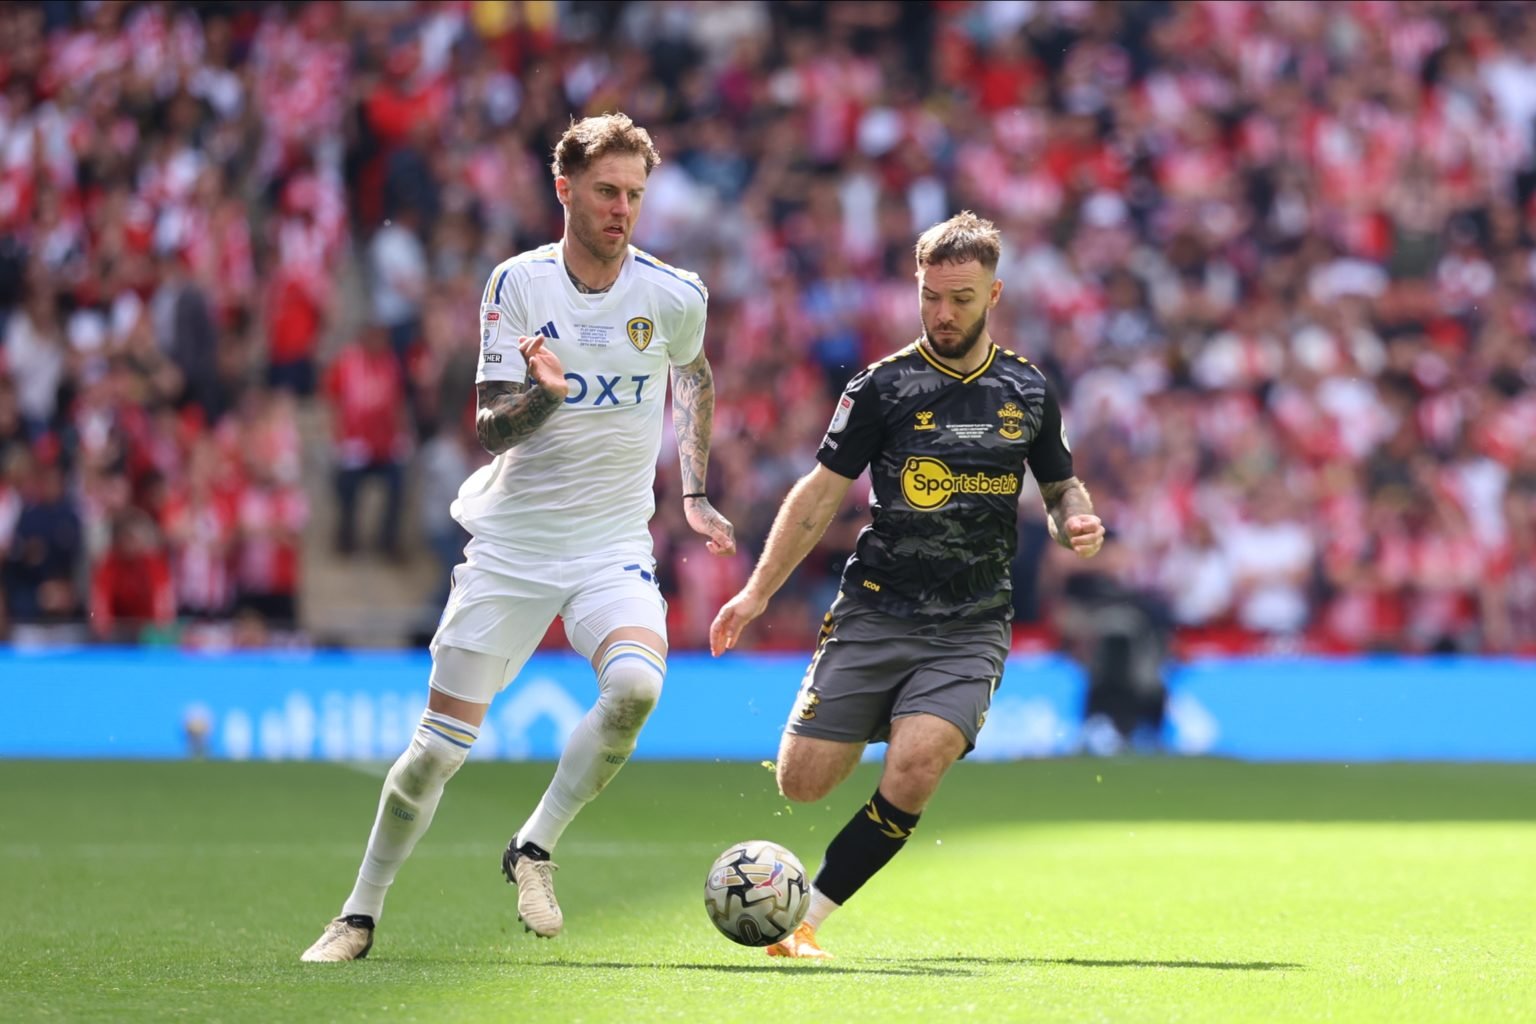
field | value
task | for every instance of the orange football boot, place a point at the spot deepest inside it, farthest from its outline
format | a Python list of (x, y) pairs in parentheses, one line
[(801, 944)]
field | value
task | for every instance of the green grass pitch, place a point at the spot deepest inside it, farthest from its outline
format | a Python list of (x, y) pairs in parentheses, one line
[(1076, 890)]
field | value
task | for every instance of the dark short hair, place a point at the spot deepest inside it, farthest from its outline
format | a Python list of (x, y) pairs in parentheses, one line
[(593, 137), (962, 238)]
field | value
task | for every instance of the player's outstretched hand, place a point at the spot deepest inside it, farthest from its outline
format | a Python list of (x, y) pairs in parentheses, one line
[(720, 534), (1086, 534), (733, 618), (544, 366)]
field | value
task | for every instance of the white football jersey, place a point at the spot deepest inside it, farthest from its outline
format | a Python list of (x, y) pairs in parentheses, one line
[(582, 482)]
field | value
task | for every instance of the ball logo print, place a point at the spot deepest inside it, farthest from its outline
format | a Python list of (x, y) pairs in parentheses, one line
[(756, 893)]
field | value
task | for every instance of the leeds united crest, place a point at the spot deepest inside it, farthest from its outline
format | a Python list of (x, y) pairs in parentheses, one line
[(640, 331)]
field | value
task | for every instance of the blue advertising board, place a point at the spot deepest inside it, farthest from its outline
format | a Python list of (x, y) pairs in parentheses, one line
[(132, 703), (1357, 709)]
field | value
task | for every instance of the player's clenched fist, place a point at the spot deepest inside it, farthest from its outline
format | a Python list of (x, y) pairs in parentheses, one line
[(704, 519), (1085, 534), (543, 366)]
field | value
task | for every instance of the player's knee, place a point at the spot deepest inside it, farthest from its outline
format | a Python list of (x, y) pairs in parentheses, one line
[(802, 786), (626, 709), (910, 779), (913, 763), (637, 688), (631, 685), (432, 758), (425, 768)]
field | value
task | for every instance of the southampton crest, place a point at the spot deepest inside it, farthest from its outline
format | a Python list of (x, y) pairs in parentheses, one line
[(1013, 421)]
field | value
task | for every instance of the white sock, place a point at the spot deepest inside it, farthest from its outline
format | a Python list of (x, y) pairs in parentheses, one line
[(582, 773), (629, 682), (821, 909), (411, 794)]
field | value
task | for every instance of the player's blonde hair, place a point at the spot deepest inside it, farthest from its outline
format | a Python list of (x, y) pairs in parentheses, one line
[(962, 238), (593, 137)]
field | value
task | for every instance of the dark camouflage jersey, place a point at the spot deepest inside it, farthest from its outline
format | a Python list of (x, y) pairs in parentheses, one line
[(946, 455)]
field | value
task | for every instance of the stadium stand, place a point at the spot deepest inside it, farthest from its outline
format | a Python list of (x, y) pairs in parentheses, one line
[(1280, 259)]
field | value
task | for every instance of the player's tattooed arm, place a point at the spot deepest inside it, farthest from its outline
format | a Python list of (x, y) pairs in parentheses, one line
[(693, 419), (510, 411), (1070, 517)]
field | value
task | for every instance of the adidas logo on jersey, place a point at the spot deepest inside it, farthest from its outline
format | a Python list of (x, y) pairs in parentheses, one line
[(548, 330)]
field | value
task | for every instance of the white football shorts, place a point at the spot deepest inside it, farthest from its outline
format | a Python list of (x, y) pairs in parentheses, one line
[(503, 609)]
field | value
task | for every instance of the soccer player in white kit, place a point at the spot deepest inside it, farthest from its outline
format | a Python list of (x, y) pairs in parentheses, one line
[(577, 341)]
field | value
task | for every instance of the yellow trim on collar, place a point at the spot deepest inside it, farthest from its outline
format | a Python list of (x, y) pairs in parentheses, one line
[(922, 350)]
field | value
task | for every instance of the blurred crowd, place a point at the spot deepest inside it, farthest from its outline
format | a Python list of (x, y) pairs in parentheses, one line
[(1278, 258)]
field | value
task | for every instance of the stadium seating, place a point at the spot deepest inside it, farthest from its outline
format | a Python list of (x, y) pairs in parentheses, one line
[(1279, 259)]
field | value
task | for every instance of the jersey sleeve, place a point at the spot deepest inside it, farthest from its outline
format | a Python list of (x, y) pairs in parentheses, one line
[(501, 324), (1050, 456), (688, 342), (853, 437)]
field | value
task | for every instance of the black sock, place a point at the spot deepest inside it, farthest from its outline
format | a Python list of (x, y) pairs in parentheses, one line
[(865, 845), (533, 851)]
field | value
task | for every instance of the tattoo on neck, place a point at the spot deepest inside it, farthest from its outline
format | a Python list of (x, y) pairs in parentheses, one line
[(582, 286)]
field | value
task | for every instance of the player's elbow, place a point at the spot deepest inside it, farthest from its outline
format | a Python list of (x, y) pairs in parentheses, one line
[(492, 439)]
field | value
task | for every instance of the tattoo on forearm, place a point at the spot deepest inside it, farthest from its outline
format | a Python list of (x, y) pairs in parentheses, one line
[(693, 417), (1063, 500), (510, 411)]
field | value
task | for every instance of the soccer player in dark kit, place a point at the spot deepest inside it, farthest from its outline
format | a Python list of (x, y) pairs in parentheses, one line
[(913, 647)]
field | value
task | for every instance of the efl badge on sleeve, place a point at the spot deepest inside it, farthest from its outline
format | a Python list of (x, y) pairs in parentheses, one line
[(640, 332), (490, 325), (840, 417)]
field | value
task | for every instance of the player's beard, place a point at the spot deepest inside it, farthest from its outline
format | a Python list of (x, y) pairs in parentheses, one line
[(592, 238), (956, 349)]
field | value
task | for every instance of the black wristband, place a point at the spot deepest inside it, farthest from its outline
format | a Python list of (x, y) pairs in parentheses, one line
[(699, 494)]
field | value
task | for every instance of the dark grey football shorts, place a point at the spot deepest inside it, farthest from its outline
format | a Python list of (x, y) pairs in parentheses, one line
[(870, 668)]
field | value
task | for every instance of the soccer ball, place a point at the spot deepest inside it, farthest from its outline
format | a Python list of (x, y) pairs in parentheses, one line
[(756, 893)]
